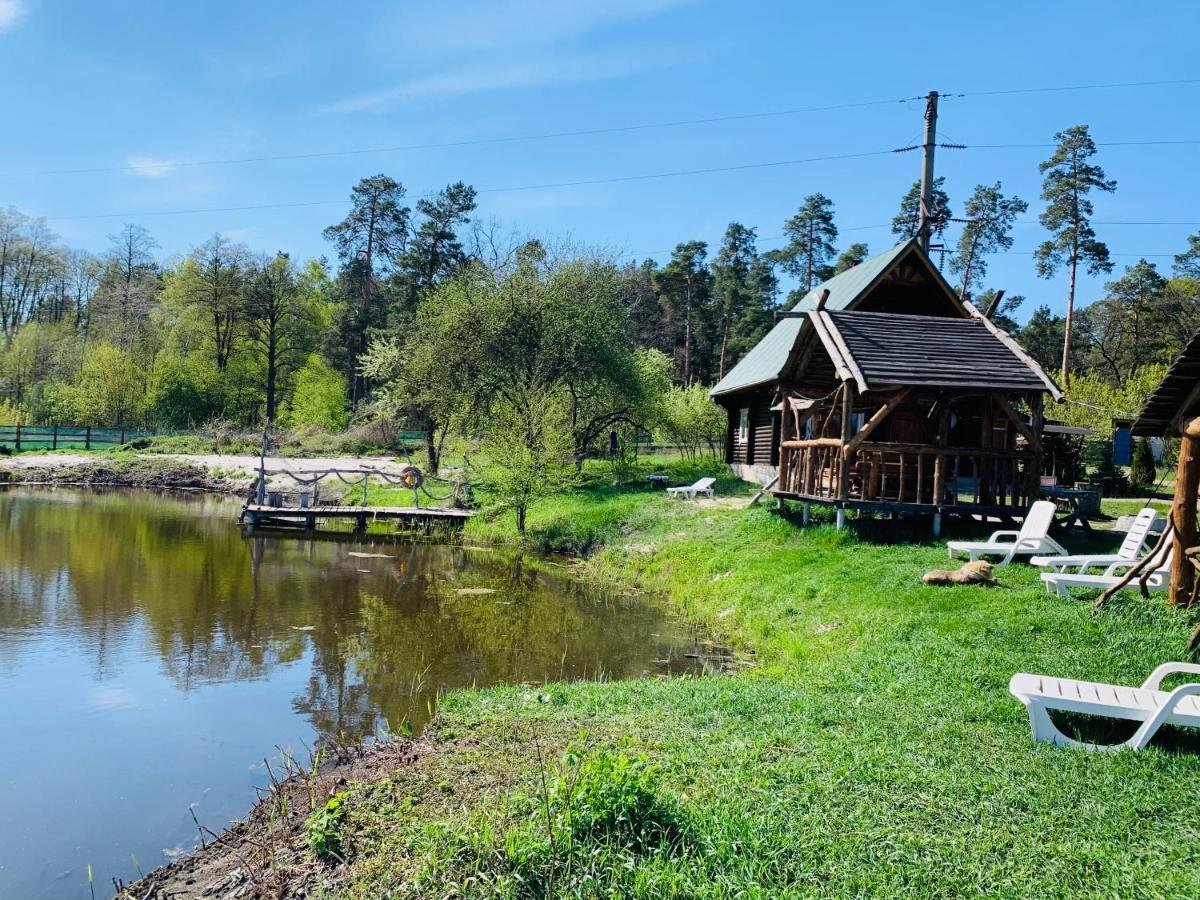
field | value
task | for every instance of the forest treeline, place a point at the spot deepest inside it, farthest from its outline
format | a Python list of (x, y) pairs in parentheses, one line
[(129, 338)]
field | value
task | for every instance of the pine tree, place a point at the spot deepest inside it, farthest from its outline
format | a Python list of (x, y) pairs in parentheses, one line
[(1070, 177), (1187, 263), (731, 282), (684, 285), (850, 257), (990, 216), (909, 218), (811, 235)]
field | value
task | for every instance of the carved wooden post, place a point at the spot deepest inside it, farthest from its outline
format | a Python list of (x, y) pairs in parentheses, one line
[(1183, 509), (986, 464), (842, 462), (1037, 423)]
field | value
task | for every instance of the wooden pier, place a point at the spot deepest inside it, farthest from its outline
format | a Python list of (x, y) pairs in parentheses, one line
[(306, 518)]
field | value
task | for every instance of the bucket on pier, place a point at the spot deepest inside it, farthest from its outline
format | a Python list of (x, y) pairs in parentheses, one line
[(274, 498)]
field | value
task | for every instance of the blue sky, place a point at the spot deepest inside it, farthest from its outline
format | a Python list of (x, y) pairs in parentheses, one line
[(157, 85)]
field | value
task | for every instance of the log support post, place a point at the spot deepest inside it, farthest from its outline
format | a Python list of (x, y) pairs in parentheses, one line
[(842, 459), (1183, 510), (805, 513)]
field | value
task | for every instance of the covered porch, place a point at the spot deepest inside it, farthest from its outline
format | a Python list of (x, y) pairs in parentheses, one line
[(925, 415)]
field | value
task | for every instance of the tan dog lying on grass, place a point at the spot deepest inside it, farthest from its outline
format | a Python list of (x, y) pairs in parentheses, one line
[(977, 572)]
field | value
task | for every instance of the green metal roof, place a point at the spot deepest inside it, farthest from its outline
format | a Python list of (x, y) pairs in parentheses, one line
[(847, 287), (766, 359)]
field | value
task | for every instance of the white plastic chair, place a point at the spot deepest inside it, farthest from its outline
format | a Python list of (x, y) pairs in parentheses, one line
[(1032, 538), (703, 486), (1131, 548), (1061, 583), (1147, 704)]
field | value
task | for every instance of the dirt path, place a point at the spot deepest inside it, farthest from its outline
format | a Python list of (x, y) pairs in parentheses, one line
[(215, 461)]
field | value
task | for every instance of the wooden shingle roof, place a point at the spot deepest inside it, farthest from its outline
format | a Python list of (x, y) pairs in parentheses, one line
[(1176, 398), (878, 349)]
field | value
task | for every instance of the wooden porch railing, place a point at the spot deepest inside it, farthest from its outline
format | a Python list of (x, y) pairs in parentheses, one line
[(907, 473)]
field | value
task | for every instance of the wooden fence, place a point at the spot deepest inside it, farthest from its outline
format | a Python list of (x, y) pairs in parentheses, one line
[(63, 437), (87, 437)]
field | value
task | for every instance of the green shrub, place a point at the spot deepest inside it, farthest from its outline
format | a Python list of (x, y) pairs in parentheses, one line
[(1141, 470), (600, 820), (323, 828), (320, 398)]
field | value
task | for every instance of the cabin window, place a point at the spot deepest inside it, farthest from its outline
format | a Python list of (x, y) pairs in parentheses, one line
[(857, 421), (743, 432)]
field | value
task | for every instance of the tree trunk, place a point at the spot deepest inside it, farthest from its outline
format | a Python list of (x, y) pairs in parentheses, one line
[(431, 447), (724, 348), (1183, 512), (809, 279), (272, 368), (687, 337), (1066, 359)]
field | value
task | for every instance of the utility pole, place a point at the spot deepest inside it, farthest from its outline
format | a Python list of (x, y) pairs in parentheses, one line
[(925, 220)]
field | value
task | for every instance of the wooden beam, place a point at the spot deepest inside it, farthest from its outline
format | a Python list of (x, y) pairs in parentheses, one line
[(1022, 427), (836, 335), (831, 347), (1183, 512), (872, 423)]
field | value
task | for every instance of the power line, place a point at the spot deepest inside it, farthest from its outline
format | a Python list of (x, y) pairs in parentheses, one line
[(591, 132), (498, 190), (618, 179), (1075, 87), (1041, 146), (473, 142)]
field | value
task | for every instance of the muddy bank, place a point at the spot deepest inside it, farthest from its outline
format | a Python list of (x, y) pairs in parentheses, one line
[(268, 855), (136, 473), (226, 474)]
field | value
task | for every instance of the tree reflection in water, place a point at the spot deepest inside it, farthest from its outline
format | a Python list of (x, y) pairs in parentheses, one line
[(381, 636)]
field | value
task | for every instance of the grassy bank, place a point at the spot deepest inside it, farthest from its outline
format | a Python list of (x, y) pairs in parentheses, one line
[(873, 749)]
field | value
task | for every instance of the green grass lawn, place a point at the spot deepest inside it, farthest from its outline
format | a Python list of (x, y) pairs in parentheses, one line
[(873, 748)]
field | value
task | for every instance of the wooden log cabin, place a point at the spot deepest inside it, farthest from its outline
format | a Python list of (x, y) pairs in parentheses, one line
[(882, 391)]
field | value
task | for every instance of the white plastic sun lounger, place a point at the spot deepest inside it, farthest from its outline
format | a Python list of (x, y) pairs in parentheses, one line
[(703, 486), (1147, 704), (1159, 578), (1032, 538), (1131, 548)]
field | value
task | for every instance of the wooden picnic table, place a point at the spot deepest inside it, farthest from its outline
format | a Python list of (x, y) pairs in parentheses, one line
[(1078, 502)]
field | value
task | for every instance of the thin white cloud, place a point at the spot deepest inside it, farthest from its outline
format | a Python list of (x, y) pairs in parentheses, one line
[(493, 25), (147, 166), (504, 75), (11, 12)]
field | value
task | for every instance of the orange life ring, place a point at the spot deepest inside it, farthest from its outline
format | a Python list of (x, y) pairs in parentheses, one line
[(411, 477)]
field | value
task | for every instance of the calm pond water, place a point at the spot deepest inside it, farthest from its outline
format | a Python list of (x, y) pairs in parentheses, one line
[(151, 657)]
